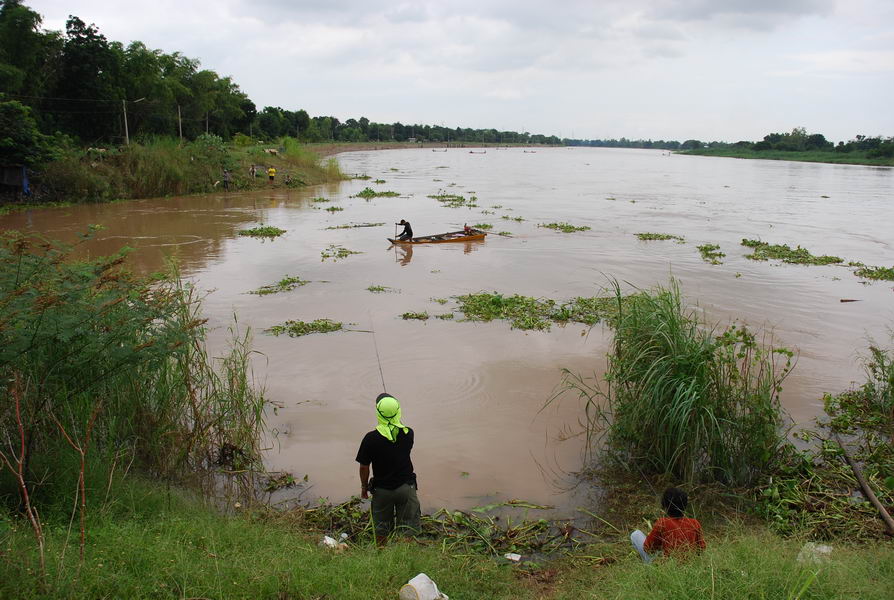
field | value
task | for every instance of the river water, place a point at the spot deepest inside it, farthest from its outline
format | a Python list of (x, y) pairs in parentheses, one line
[(475, 392)]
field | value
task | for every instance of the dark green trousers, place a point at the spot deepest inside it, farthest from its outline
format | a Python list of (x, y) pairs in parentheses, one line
[(398, 508)]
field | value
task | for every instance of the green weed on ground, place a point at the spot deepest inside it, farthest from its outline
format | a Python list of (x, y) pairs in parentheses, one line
[(299, 328), (647, 237), (711, 253), (797, 256), (564, 227), (263, 231), (286, 284)]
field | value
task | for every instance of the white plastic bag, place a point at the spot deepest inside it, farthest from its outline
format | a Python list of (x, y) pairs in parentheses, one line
[(421, 587)]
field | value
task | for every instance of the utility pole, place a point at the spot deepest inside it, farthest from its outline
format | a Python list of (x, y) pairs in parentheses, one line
[(180, 124), (126, 133)]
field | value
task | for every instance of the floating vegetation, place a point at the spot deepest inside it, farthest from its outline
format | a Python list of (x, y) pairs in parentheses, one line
[(455, 200), (336, 252), (650, 237), (505, 233), (611, 198), (369, 194), (711, 253), (497, 206), (378, 289), (364, 177), (263, 231), (442, 167), (877, 273), (379, 181), (394, 170), (564, 227), (333, 209), (796, 256), (354, 225), (483, 226), (286, 284), (441, 301), (299, 328), (418, 316), (445, 317), (525, 312), (487, 212), (511, 218), (321, 199)]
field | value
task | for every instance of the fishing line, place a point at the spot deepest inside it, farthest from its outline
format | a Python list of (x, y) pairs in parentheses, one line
[(376, 346)]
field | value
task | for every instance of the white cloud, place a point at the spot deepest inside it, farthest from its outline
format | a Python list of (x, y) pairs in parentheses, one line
[(710, 69)]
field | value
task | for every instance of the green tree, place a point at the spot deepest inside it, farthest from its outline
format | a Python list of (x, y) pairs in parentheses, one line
[(20, 140)]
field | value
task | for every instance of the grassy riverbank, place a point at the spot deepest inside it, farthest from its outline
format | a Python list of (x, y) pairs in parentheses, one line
[(148, 542), (167, 167), (822, 156)]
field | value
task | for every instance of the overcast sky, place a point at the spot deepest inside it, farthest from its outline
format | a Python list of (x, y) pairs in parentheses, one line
[(671, 69)]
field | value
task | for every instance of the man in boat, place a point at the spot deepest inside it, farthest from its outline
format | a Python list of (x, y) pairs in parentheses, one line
[(407, 233), (393, 486)]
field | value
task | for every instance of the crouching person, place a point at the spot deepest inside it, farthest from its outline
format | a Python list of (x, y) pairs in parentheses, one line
[(393, 485), (674, 534)]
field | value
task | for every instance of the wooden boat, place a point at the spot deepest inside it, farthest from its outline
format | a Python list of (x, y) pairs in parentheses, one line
[(444, 150), (477, 151), (453, 236)]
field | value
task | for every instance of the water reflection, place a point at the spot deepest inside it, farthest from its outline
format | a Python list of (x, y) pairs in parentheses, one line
[(403, 253)]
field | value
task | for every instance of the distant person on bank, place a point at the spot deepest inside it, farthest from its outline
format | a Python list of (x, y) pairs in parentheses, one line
[(393, 485), (407, 233), (271, 174), (672, 535), (227, 177)]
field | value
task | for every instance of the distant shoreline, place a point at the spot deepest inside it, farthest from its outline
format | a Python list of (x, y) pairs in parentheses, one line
[(806, 156), (324, 149)]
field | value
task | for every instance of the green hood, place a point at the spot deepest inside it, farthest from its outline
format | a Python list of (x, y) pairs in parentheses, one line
[(388, 415)]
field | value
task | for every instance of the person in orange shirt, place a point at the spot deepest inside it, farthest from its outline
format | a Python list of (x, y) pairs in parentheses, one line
[(672, 535)]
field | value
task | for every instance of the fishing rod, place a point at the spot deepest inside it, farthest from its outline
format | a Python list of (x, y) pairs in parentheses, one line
[(376, 346)]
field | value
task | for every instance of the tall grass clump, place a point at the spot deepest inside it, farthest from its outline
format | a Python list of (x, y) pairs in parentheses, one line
[(104, 370), (684, 399)]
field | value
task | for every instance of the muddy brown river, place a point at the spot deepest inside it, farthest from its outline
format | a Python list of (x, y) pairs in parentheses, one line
[(474, 391)]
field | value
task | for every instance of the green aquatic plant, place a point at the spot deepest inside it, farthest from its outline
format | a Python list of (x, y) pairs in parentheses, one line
[(336, 252), (564, 227), (379, 181), (355, 225), (369, 194), (286, 284), (683, 398), (796, 256), (418, 316), (300, 328), (441, 301), (445, 317), (320, 199), (525, 312), (454, 200), (333, 209), (263, 231), (648, 237), (378, 289), (711, 253), (487, 212), (505, 233), (483, 226), (363, 177), (878, 273)]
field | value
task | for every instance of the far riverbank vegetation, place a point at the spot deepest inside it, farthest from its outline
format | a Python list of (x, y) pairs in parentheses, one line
[(131, 459)]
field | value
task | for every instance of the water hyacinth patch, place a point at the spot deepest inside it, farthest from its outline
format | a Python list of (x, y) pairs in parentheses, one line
[(564, 227), (418, 316), (711, 253), (286, 284), (369, 194), (783, 252), (263, 231), (648, 237), (300, 328), (336, 252), (355, 225)]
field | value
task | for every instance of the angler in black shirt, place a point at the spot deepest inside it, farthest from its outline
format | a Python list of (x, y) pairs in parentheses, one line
[(407, 233), (393, 486)]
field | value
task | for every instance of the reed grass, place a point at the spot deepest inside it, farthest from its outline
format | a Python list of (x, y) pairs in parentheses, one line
[(683, 398)]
